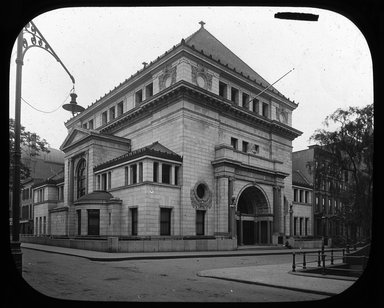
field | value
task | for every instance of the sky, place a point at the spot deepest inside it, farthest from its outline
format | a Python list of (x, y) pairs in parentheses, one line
[(101, 47)]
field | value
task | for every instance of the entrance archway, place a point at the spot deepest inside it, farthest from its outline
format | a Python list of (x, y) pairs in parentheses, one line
[(254, 218)]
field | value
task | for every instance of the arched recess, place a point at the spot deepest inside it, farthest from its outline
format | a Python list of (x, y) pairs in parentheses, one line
[(254, 217)]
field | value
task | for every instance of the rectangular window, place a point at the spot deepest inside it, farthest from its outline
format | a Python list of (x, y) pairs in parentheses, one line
[(112, 113), (255, 105), (245, 146), (40, 225), (104, 118), (222, 89), (109, 180), (78, 212), (61, 193), (166, 174), (165, 221), (306, 226), (200, 219), (176, 175), (149, 90), (93, 222), (134, 174), (265, 110), (120, 109), (85, 125), (126, 170), (90, 124), (134, 221), (301, 195), (295, 226), (301, 226), (140, 172), (245, 100), (155, 171), (234, 143), (235, 95), (255, 149), (295, 193), (139, 97), (98, 182), (306, 199), (104, 181)]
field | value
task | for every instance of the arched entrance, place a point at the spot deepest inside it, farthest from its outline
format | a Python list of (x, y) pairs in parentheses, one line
[(253, 217)]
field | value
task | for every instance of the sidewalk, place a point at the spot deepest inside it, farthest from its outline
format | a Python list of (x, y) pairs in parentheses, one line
[(267, 275), (279, 276), (121, 256)]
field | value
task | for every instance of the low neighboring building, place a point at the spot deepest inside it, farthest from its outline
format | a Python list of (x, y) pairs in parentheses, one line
[(42, 167), (327, 189), (302, 224)]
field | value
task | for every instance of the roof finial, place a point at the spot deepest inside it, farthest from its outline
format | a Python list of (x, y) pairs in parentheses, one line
[(202, 23)]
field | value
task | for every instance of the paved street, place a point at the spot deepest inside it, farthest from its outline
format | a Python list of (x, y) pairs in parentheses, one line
[(70, 277)]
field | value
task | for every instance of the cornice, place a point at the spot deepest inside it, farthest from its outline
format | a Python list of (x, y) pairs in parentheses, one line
[(183, 89)]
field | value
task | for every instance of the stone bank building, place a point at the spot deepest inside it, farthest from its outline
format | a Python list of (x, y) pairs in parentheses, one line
[(181, 149)]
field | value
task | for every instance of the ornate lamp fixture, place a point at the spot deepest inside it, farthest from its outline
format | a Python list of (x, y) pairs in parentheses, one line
[(33, 38)]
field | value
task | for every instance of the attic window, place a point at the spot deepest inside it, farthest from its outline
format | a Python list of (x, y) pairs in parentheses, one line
[(90, 124), (120, 108), (222, 89), (255, 105), (265, 110), (149, 90), (235, 95), (112, 113), (104, 118), (245, 100), (139, 96)]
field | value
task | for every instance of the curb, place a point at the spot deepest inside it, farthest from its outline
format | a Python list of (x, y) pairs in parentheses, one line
[(273, 285), (159, 257)]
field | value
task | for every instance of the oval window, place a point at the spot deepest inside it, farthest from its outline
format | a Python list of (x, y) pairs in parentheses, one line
[(200, 191)]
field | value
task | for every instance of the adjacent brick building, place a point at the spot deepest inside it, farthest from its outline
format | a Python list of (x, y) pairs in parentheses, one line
[(168, 151)]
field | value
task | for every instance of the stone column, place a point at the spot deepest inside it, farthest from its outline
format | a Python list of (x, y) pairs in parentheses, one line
[(160, 173), (172, 175)]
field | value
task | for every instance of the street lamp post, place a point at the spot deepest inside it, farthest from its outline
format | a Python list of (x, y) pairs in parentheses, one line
[(36, 40)]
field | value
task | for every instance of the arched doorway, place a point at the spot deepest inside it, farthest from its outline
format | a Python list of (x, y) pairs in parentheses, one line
[(254, 218)]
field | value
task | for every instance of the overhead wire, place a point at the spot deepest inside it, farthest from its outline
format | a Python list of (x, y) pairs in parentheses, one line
[(43, 111)]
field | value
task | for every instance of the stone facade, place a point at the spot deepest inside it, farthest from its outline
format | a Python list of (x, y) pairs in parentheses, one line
[(178, 146)]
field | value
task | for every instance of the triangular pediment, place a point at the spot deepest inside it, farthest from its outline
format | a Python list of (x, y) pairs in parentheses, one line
[(78, 135), (74, 136)]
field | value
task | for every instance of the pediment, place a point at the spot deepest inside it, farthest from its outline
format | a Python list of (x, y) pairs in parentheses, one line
[(74, 136)]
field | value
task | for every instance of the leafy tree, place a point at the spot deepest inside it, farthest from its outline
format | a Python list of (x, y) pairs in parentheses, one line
[(350, 148), (30, 144)]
